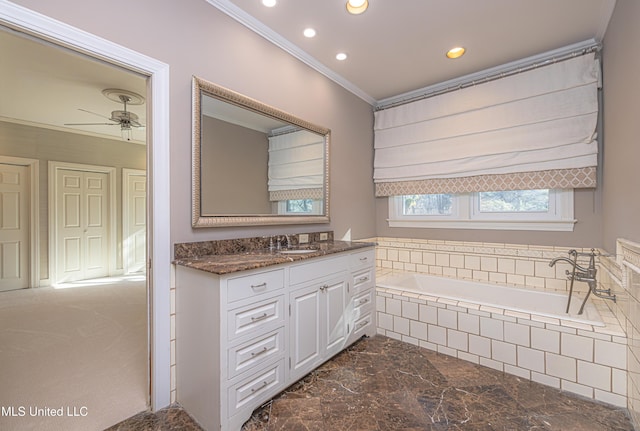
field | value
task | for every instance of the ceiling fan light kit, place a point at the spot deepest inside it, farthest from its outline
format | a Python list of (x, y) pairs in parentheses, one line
[(123, 118), (356, 7)]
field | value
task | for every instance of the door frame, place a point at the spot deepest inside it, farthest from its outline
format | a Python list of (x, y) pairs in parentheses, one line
[(34, 214), (159, 253), (127, 173), (54, 166)]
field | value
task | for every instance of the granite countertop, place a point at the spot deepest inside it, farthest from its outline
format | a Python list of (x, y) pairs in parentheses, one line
[(261, 258)]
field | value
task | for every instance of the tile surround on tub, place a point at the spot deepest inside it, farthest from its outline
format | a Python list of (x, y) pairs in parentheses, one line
[(575, 357)]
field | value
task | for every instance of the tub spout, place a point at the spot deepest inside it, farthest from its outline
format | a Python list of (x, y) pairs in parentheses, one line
[(570, 262)]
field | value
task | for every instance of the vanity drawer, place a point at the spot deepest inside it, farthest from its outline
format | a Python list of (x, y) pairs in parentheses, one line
[(255, 352), (259, 316), (362, 325), (363, 280), (363, 303), (362, 259), (255, 284), (317, 269), (257, 388)]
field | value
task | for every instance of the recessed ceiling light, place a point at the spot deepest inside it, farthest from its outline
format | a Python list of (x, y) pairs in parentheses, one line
[(356, 7), (456, 52), (269, 3), (309, 32), (341, 56)]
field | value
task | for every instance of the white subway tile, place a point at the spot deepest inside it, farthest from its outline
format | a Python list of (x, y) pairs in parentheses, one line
[(468, 357), (546, 340), (469, 323), (401, 325), (456, 261), (447, 318), (545, 379), (416, 257), (530, 359), (489, 264), (612, 354), (609, 398), (619, 381), (385, 321), (491, 328), (497, 277), (576, 346), (480, 276), (430, 346), (410, 310), (472, 262), (442, 259), (525, 267), (418, 330), (428, 258), (585, 391), (503, 352), (457, 340), (542, 269), (380, 303), (447, 351), (515, 279), (560, 366), (491, 364), (411, 340), (480, 346), (506, 266), (428, 314), (517, 334), (394, 306), (437, 335), (404, 256), (594, 375), (517, 371)]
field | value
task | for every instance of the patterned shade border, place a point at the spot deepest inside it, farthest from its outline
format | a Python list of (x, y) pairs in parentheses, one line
[(576, 178), (285, 195)]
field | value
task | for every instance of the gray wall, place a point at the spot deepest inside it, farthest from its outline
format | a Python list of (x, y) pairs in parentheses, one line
[(621, 181), (194, 38), (46, 145), (234, 169)]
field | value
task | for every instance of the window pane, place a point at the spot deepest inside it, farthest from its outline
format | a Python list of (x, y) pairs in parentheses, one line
[(514, 201), (300, 206), (439, 204)]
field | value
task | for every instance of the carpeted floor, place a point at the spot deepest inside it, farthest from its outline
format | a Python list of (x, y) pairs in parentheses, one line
[(73, 357)]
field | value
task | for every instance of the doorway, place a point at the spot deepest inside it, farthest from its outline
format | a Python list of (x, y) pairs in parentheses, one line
[(160, 385)]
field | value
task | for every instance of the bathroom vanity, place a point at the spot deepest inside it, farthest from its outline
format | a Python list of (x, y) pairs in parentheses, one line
[(250, 324)]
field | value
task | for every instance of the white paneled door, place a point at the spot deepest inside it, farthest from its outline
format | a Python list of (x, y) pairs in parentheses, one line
[(14, 227), (82, 225), (134, 214)]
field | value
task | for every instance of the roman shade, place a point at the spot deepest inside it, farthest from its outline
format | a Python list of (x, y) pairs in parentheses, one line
[(530, 130), (296, 163)]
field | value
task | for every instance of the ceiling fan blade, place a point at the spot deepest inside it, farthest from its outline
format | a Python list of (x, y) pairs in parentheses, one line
[(99, 115), (91, 124), (136, 124)]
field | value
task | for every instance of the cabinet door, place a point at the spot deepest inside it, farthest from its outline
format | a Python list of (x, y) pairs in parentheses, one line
[(335, 316), (305, 327)]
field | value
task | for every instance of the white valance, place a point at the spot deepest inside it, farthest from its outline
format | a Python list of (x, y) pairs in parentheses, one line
[(540, 120), (296, 162)]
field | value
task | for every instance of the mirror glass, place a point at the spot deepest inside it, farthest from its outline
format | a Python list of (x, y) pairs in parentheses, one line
[(254, 164)]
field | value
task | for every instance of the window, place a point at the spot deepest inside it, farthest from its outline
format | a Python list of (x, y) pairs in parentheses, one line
[(550, 210), (300, 207)]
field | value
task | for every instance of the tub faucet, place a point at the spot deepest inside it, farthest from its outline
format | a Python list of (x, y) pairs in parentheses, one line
[(587, 275)]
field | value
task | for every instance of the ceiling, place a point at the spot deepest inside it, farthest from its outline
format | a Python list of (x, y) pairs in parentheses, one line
[(398, 46), (395, 48)]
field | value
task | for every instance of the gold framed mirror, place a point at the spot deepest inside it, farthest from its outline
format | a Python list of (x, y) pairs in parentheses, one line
[(253, 164)]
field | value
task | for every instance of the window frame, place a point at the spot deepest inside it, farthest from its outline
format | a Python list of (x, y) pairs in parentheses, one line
[(466, 215)]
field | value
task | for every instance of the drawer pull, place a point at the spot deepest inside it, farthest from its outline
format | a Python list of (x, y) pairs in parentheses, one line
[(262, 386), (362, 324), (261, 317), (364, 259), (260, 352), (259, 286), (362, 279), (324, 287), (363, 301)]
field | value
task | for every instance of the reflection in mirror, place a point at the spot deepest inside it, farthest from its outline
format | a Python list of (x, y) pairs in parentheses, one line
[(254, 164)]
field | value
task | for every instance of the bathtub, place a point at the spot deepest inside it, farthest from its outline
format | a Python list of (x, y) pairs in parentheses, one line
[(523, 300)]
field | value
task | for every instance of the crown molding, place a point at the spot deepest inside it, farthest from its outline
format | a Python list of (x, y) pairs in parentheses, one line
[(258, 27)]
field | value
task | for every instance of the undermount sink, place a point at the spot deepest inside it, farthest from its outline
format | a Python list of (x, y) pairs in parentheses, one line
[(297, 251)]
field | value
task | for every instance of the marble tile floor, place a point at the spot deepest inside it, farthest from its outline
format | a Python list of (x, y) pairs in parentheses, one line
[(384, 384)]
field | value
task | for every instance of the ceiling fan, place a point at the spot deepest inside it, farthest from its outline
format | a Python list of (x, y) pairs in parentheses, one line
[(123, 118)]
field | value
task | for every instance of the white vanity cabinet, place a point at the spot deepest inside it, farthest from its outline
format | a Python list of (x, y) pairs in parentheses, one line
[(242, 338)]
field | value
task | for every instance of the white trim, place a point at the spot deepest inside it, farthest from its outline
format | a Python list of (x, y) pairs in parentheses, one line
[(53, 167), (463, 216), (253, 24), (34, 214), (159, 244)]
